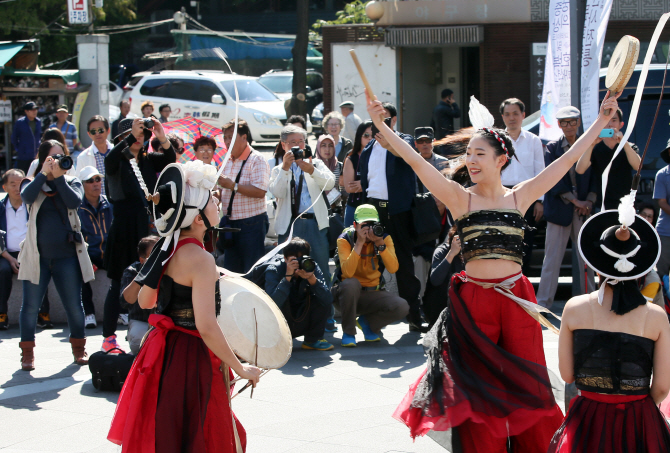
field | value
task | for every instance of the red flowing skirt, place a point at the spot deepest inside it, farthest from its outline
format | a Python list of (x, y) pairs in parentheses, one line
[(613, 424), (486, 365), (175, 397)]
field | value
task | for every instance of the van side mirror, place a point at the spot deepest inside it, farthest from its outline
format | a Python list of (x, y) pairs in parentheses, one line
[(308, 88), (217, 99)]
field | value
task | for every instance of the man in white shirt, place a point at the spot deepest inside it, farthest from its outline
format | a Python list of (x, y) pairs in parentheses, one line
[(351, 120), (94, 156), (529, 162)]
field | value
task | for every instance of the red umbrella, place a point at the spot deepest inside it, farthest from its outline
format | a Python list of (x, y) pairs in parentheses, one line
[(190, 129)]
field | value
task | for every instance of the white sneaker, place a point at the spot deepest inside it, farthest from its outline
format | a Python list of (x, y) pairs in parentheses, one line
[(90, 322), (123, 319)]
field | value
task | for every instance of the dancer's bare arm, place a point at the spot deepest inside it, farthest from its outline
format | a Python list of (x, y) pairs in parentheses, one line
[(660, 385)]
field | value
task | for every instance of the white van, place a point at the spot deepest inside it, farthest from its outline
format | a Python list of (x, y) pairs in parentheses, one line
[(210, 97)]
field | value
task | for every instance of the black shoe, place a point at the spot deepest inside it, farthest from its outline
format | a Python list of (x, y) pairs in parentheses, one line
[(4, 322), (416, 323), (44, 321)]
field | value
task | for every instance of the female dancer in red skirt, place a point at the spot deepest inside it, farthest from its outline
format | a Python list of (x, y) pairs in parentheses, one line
[(610, 342), (486, 370), (176, 397)]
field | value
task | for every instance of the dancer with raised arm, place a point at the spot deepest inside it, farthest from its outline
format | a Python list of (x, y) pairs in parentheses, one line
[(177, 395), (486, 371)]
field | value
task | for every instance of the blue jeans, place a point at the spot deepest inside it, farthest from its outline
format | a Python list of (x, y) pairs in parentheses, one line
[(349, 212), (308, 229), (66, 274), (248, 243)]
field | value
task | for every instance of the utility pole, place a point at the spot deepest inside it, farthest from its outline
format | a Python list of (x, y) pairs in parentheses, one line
[(297, 104)]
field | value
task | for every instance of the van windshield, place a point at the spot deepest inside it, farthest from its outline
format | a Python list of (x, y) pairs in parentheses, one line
[(278, 84), (249, 90)]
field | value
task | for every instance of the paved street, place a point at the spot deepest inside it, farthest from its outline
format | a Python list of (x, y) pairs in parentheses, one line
[(334, 401)]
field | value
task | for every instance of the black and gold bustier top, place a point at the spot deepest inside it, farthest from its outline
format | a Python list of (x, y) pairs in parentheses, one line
[(612, 362), (492, 234), (176, 301)]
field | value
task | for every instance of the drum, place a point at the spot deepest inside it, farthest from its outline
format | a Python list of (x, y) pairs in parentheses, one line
[(622, 64), (253, 324)]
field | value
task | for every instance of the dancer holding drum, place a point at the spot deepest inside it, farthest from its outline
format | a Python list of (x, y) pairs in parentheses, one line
[(486, 370), (177, 396)]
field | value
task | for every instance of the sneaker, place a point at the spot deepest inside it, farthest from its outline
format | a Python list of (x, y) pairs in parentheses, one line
[(123, 319), (110, 343), (44, 321), (330, 325), (90, 322), (348, 341), (319, 345), (364, 325), (4, 322)]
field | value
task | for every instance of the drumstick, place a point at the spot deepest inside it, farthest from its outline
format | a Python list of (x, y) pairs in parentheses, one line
[(607, 111), (249, 384), (352, 52), (256, 344)]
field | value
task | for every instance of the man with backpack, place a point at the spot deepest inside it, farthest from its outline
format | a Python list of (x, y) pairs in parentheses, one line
[(364, 251)]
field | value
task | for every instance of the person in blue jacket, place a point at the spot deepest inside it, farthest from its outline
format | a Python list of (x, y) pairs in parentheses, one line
[(96, 216), (26, 136), (566, 207)]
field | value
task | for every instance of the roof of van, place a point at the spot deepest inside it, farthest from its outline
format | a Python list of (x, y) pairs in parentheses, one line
[(205, 73), (638, 67)]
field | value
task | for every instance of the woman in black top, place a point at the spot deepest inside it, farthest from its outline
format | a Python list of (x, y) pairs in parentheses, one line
[(132, 214), (351, 175)]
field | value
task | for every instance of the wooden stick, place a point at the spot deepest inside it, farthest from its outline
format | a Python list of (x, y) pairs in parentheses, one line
[(368, 88), (248, 384), (256, 344)]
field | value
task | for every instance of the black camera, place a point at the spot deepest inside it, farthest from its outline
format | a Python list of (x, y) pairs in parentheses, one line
[(64, 162), (375, 131), (306, 263), (301, 153), (377, 229), (148, 123)]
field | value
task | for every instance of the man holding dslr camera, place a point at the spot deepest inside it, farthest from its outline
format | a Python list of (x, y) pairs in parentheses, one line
[(364, 251), (296, 284), (297, 183)]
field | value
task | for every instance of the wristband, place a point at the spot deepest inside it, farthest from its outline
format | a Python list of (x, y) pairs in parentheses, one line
[(163, 142)]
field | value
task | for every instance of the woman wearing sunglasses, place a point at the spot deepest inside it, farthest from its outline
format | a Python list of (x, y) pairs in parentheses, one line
[(94, 155), (352, 183)]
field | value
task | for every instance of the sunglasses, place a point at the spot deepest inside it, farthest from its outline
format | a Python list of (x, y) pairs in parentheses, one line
[(367, 135), (94, 179), (96, 132), (567, 123), (423, 141)]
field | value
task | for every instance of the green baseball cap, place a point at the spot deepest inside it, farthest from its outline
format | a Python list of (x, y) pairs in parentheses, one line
[(366, 213)]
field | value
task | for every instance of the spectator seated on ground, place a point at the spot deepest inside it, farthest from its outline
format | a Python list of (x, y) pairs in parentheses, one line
[(138, 318), (362, 259), (296, 284)]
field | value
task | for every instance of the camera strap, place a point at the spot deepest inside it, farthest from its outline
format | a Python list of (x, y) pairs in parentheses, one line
[(232, 195), (60, 213), (296, 193)]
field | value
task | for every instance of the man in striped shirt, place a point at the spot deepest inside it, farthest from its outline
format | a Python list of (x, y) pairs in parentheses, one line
[(68, 129)]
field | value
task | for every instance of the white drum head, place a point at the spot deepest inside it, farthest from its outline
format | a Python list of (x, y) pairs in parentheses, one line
[(622, 64), (239, 298)]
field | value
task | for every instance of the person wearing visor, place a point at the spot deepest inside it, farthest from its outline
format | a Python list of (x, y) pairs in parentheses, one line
[(132, 213), (363, 256)]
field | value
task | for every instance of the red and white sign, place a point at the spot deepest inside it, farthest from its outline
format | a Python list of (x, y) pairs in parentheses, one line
[(78, 11)]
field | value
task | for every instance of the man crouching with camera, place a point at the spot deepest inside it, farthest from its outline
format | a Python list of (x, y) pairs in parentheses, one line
[(364, 251), (296, 284), (53, 247)]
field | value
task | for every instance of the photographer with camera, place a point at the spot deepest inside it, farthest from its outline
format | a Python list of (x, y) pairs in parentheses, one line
[(299, 289), (53, 247), (297, 183), (132, 213), (364, 251)]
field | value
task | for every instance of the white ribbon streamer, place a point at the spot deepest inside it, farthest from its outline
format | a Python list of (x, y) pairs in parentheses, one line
[(622, 265), (601, 291), (638, 98)]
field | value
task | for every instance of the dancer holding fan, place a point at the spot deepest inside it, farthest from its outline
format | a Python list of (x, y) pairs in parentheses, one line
[(486, 369)]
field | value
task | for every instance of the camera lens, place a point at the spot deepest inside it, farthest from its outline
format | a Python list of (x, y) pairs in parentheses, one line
[(378, 229), (148, 123), (307, 264), (64, 162)]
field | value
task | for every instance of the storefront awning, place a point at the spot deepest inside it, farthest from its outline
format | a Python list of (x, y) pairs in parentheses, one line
[(68, 75), (469, 35), (7, 52)]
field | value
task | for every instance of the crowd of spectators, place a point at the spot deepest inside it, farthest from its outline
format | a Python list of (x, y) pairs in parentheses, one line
[(351, 199)]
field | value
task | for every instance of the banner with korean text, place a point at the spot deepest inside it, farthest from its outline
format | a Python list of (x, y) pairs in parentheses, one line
[(556, 90), (595, 27)]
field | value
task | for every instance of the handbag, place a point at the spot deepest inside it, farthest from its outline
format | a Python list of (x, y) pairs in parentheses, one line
[(425, 217), (335, 224), (225, 240), (110, 370)]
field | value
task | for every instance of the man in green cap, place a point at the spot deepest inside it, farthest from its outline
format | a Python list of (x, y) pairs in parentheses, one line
[(364, 251)]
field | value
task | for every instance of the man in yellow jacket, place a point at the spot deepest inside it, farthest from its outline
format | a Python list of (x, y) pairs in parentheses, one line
[(363, 255)]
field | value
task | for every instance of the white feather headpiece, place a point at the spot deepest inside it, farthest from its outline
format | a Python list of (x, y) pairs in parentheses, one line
[(480, 117)]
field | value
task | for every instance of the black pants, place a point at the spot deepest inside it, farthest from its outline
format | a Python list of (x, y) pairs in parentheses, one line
[(23, 164), (6, 274), (112, 309), (399, 226), (308, 319), (87, 292)]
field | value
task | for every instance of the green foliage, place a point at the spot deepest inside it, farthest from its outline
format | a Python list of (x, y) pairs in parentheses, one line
[(353, 13)]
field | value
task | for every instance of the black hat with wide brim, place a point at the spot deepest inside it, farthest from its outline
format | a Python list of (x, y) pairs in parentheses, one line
[(171, 188), (598, 234)]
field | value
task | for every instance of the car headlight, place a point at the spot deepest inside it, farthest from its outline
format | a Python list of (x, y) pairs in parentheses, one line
[(267, 120)]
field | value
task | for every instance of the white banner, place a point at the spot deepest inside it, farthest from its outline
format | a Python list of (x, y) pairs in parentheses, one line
[(595, 27), (556, 89)]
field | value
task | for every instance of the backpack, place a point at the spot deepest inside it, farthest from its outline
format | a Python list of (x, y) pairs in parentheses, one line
[(257, 274), (348, 234)]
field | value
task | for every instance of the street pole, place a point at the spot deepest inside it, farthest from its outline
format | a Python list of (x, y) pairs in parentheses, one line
[(297, 105)]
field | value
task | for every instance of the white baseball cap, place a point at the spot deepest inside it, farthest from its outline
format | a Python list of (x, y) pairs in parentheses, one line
[(87, 173)]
